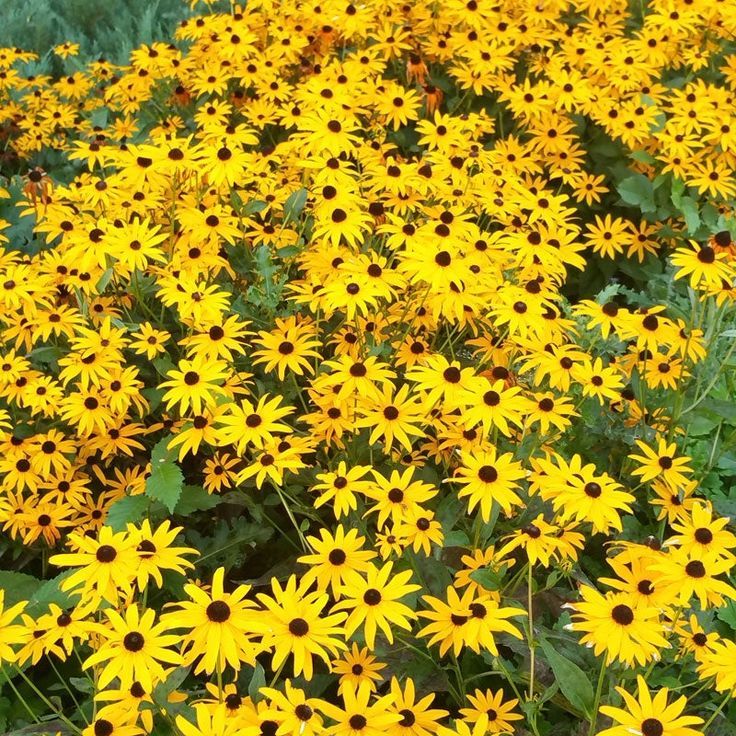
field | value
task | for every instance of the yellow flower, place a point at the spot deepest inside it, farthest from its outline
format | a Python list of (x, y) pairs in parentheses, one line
[(650, 716)]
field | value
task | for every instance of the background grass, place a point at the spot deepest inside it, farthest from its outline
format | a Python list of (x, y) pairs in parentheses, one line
[(108, 29)]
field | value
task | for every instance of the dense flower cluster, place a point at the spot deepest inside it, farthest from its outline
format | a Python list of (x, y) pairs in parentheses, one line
[(328, 254)]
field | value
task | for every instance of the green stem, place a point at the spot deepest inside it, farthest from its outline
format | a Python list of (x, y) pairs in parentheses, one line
[(299, 394), (290, 514), (704, 395), (218, 667), (597, 700), (455, 696), (509, 679), (532, 645), (67, 688), (458, 675), (18, 695), (277, 674), (716, 712), (46, 701)]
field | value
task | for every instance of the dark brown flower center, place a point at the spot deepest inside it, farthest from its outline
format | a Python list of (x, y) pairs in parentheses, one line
[(622, 614), (218, 612), (106, 553), (303, 712), (487, 473), (337, 557), (298, 627), (357, 722), (133, 641), (652, 727)]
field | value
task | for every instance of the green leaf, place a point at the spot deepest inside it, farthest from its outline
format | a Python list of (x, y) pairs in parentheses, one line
[(727, 614), (82, 684), (487, 578), (256, 683), (104, 280), (294, 205), (17, 586), (50, 592), (574, 683), (195, 498), (163, 690), (130, 509), (165, 485), (689, 209), (161, 452), (637, 190), (166, 479), (253, 207), (678, 189), (643, 157)]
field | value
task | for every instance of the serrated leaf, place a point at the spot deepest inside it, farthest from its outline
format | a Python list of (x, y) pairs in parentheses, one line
[(574, 684), (130, 509), (727, 614), (637, 190), (50, 592), (678, 189), (166, 479), (17, 586), (689, 209), (161, 452), (195, 498), (165, 484)]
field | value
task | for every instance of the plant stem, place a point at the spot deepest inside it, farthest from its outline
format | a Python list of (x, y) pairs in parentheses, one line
[(46, 701), (597, 700), (532, 646), (717, 711), (507, 675), (18, 695), (278, 673), (67, 688), (459, 675), (290, 514), (219, 678)]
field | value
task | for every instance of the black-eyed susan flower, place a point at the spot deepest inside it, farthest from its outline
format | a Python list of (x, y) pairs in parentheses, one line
[(611, 624), (107, 565), (195, 384), (297, 626), (359, 717), (491, 711), (356, 666), (247, 424), (417, 718), (220, 627), (336, 559), (650, 715), (295, 713), (375, 602), (488, 478), (662, 462), (134, 649)]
